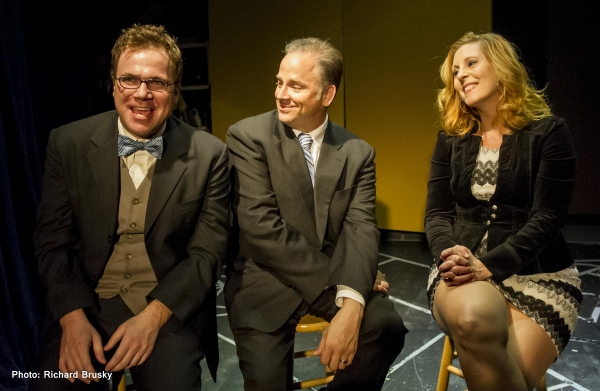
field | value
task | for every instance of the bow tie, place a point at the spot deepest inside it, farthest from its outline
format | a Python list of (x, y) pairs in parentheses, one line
[(128, 146)]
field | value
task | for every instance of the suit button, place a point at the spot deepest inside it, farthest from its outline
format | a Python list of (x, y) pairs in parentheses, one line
[(123, 290), (129, 256), (129, 236), (133, 225), (127, 275), (135, 201), (109, 239)]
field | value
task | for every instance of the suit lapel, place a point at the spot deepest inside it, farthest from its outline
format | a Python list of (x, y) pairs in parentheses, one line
[(167, 172), (293, 158), (104, 165), (329, 169)]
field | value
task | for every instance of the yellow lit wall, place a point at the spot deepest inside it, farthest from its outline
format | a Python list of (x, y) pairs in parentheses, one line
[(392, 52), (246, 45)]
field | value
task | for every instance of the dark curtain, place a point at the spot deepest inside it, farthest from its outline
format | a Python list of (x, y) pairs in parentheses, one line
[(20, 180), (560, 45)]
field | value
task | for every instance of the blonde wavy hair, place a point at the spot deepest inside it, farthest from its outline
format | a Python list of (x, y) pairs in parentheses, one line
[(520, 102)]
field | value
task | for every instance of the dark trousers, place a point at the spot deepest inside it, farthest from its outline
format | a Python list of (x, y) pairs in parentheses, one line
[(173, 365), (266, 359)]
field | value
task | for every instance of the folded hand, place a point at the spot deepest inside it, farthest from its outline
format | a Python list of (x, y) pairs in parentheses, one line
[(460, 267)]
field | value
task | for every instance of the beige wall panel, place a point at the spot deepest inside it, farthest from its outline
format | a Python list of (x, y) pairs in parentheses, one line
[(246, 43), (392, 53)]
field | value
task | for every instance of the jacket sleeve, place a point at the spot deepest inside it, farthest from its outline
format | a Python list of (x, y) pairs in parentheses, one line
[(57, 242), (552, 194), (440, 211), (357, 250), (185, 287)]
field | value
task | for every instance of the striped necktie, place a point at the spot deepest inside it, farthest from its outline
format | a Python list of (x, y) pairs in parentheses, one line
[(306, 142)]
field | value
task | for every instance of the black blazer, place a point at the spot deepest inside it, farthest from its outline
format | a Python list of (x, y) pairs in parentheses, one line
[(186, 229), (524, 217), (295, 241)]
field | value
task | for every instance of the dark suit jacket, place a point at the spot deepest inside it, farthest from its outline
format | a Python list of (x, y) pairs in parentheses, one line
[(295, 242), (524, 216), (186, 229)]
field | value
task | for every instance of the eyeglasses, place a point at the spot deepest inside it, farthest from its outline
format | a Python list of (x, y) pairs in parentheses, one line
[(132, 83)]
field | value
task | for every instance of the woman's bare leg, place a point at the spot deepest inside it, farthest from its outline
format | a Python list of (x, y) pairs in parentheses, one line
[(476, 317)]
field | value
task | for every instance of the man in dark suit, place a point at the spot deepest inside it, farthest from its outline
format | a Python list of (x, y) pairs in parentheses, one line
[(131, 229), (304, 199)]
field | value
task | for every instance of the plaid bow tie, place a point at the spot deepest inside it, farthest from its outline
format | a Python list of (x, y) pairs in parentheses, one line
[(128, 146)]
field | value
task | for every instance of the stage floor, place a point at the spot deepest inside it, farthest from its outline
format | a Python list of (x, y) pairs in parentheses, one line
[(405, 259)]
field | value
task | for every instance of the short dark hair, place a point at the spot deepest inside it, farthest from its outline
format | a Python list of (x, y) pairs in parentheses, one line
[(329, 59)]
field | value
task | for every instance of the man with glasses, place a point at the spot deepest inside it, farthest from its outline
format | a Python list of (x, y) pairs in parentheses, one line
[(131, 229)]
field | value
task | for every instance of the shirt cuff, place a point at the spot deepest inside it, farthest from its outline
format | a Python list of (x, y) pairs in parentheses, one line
[(346, 291)]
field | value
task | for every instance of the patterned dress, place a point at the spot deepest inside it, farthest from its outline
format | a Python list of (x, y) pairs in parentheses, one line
[(550, 299)]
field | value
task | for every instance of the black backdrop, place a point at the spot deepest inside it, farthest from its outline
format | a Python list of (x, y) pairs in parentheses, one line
[(54, 62)]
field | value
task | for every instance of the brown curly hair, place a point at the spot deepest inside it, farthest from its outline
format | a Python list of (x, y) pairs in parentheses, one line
[(143, 36)]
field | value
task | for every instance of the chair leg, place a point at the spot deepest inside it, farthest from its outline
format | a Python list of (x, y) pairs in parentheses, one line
[(122, 383), (447, 356)]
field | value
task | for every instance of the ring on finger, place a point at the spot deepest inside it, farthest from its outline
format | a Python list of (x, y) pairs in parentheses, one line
[(344, 361)]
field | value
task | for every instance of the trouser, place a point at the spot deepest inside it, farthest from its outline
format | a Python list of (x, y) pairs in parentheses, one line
[(266, 359), (174, 364)]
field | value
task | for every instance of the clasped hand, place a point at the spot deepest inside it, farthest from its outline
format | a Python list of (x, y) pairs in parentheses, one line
[(461, 267), (136, 336)]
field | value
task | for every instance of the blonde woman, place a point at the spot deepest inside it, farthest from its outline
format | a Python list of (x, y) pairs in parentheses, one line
[(502, 285)]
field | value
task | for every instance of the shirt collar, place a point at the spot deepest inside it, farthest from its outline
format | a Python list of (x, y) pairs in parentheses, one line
[(124, 131), (318, 134)]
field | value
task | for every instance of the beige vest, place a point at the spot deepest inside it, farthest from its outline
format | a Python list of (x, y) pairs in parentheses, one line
[(129, 272)]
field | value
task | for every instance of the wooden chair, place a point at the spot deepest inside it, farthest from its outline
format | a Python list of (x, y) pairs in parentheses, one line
[(446, 368), (122, 383), (311, 324)]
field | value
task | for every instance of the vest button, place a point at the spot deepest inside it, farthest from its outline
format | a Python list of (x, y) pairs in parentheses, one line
[(127, 275), (123, 290), (494, 207), (493, 216), (135, 201), (129, 236), (488, 222), (133, 225), (129, 256)]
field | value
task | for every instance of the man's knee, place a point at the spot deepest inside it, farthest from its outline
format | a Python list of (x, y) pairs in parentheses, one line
[(383, 318)]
